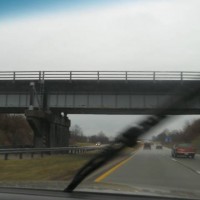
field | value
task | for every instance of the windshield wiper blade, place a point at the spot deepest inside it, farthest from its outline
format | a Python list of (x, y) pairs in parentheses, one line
[(128, 138)]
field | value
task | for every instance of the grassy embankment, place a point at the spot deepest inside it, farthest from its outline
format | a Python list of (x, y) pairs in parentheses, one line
[(48, 168), (60, 167), (79, 144)]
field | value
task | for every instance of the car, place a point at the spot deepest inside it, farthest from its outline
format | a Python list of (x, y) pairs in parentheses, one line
[(147, 145), (183, 149), (98, 144), (159, 146)]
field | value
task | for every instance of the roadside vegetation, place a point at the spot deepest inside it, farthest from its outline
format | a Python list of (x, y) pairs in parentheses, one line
[(55, 167), (77, 137), (189, 134), (16, 132), (50, 167)]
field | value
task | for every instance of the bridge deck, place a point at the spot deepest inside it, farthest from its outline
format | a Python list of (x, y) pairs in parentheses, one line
[(104, 93)]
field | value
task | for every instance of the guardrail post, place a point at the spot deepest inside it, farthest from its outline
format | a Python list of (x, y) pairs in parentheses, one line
[(126, 76), (39, 75), (181, 76), (42, 154), (20, 155), (154, 76), (98, 76), (5, 156), (43, 75), (13, 76), (70, 75), (32, 155)]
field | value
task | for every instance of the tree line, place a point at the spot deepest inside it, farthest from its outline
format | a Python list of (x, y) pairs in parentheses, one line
[(16, 132), (190, 133), (77, 136)]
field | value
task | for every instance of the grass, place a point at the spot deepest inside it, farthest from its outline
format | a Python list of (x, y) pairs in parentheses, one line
[(61, 167), (48, 168), (85, 144)]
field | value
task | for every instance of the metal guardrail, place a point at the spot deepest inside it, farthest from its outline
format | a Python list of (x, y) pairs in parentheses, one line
[(42, 151), (99, 75)]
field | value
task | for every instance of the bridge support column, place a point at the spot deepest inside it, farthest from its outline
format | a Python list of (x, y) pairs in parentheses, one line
[(50, 130)]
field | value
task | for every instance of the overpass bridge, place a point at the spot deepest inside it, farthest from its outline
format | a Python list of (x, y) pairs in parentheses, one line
[(96, 92), (43, 95)]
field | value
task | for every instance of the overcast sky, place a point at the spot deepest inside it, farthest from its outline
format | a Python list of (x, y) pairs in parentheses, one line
[(105, 35)]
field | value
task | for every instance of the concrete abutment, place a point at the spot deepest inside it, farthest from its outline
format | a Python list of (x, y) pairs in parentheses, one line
[(50, 130)]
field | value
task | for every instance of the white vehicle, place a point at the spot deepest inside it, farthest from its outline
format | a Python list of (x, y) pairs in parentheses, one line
[(98, 144)]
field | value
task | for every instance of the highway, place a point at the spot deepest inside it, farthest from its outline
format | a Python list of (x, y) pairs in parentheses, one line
[(155, 169)]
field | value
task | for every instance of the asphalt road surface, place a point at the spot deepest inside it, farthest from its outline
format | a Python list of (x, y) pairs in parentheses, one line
[(156, 169)]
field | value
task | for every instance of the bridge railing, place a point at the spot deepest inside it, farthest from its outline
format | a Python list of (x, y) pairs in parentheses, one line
[(99, 75), (43, 151)]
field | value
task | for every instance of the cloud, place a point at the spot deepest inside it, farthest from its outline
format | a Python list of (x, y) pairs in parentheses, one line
[(147, 35), (139, 35), (112, 125)]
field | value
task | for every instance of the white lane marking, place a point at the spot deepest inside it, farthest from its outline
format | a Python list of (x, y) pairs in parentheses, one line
[(188, 167)]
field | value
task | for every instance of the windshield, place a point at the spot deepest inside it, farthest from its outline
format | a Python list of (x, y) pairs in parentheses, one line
[(77, 76)]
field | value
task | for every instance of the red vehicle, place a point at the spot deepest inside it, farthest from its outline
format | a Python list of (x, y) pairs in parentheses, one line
[(184, 149)]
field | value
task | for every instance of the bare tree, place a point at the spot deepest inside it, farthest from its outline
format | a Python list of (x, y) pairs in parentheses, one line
[(100, 137), (15, 130), (76, 135)]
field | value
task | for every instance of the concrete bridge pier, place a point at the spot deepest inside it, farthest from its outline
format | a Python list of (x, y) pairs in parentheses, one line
[(50, 130)]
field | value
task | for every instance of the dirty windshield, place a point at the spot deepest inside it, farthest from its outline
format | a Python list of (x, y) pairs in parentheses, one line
[(100, 96)]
